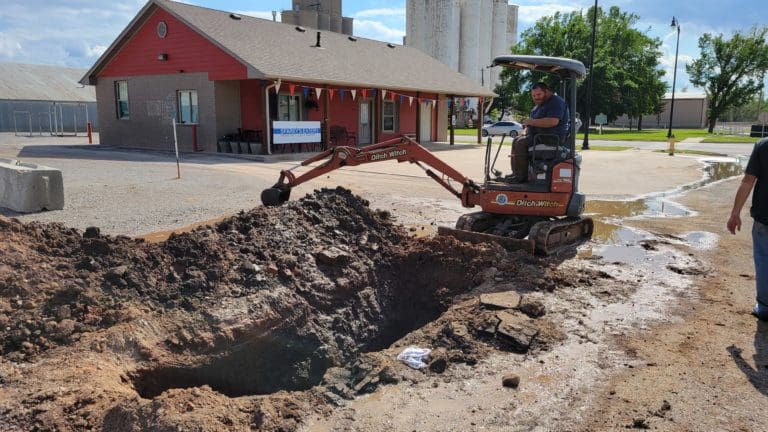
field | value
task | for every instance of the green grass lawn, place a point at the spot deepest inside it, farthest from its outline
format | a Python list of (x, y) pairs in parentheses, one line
[(647, 135), (661, 135), (692, 152), (469, 132), (605, 148)]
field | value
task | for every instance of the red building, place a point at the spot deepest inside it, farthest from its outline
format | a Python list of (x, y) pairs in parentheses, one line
[(218, 73)]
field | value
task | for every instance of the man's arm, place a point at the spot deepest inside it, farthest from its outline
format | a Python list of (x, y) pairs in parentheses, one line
[(546, 122), (734, 222)]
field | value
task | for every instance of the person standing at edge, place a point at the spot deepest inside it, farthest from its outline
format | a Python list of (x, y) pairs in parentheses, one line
[(549, 116), (756, 174)]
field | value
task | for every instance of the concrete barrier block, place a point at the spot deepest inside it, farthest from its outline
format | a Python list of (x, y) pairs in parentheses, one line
[(27, 188)]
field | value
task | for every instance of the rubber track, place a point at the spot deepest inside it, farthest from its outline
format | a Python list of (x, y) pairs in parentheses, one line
[(541, 232)]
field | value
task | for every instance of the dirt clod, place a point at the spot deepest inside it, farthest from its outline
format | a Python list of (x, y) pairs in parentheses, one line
[(510, 380)]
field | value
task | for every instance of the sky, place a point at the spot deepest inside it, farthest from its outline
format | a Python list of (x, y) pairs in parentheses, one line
[(76, 32)]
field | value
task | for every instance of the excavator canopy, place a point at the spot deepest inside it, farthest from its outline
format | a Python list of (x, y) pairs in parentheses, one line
[(562, 67)]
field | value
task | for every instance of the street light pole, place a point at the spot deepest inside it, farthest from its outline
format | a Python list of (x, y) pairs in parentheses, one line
[(585, 144), (675, 24)]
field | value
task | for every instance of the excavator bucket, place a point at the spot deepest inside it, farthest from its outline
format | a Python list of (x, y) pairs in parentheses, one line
[(275, 196), (508, 243)]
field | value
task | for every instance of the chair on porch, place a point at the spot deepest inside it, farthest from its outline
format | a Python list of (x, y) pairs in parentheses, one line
[(340, 136)]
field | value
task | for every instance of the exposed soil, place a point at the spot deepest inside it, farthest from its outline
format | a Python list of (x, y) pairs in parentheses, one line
[(255, 323)]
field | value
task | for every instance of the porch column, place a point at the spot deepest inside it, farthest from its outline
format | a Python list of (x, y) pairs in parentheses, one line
[(480, 115), (327, 117), (418, 117), (451, 110)]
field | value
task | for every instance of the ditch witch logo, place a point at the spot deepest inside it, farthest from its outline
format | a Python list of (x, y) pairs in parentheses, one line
[(502, 199), (388, 155)]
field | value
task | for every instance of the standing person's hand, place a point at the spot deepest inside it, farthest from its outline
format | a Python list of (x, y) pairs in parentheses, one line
[(734, 223)]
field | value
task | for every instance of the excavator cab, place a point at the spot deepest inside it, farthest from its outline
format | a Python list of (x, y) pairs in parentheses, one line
[(546, 150)]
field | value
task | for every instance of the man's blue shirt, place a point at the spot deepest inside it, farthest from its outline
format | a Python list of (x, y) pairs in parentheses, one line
[(554, 107)]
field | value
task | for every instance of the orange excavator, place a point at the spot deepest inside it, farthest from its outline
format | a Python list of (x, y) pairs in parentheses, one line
[(541, 215)]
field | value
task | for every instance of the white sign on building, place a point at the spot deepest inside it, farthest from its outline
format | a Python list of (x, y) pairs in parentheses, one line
[(295, 132)]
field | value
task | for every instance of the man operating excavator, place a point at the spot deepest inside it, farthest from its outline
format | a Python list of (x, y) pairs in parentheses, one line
[(549, 118)]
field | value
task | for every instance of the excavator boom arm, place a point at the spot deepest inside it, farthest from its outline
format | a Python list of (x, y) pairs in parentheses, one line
[(403, 149)]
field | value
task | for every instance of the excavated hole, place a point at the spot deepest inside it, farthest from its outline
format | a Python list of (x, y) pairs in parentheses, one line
[(263, 366), (414, 291)]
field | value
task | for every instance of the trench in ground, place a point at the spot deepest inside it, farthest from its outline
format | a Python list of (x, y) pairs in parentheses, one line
[(416, 291)]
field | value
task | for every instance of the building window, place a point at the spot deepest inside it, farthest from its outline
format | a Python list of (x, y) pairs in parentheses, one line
[(288, 108), (188, 106), (389, 116), (121, 99)]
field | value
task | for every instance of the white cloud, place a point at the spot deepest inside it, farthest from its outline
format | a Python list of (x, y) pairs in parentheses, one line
[(391, 12), (81, 31), (378, 31), (95, 50), (9, 47), (530, 14)]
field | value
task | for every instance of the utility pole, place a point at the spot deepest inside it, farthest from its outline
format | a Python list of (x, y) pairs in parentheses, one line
[(588, 119)]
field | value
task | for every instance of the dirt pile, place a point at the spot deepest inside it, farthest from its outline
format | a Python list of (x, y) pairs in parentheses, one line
[(271, 300)]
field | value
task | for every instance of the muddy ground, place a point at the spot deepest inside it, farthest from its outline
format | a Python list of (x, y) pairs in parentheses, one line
[(291, 319)]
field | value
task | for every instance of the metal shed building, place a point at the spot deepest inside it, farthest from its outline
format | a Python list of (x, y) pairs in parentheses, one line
[(42, 99)]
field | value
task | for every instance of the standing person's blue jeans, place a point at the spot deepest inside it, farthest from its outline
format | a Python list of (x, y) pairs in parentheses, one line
[(760, 247)]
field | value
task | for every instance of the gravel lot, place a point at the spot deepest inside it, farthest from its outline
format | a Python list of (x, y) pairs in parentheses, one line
[(132, 193)]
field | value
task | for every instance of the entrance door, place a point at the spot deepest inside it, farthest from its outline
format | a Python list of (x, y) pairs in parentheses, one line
[(365, 122), (425, 134)]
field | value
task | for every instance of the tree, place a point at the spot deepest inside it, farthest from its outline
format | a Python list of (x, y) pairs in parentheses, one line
[(627, 79), (730, 71)]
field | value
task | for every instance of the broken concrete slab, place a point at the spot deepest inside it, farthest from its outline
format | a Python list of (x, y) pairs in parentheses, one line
[(516, 331), (532, 307), (500, 300), (28, 188)]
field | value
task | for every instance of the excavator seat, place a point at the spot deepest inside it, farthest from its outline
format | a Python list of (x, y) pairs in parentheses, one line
[(548, 147)]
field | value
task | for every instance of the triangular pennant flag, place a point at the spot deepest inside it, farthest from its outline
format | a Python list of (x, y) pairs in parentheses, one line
[(318, 91), (392, 95), (373, 93), (410, 100), (291, 88), (330, 93), (277, 87), (306, 92), (402, 99), (383, 94), (354, 94), (341, 94), (364, 92)]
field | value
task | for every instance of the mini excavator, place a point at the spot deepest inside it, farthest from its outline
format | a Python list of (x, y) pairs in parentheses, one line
[(541, 215)]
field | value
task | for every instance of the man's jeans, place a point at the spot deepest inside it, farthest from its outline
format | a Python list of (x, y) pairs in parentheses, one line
[(760, 245)]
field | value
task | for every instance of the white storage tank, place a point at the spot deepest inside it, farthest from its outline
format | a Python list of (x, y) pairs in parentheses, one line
[(512, 11), (499, 37), (445, 16), (469, 40)]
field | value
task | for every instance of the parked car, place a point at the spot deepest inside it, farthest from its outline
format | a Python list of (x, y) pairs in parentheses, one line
[(509, 128)]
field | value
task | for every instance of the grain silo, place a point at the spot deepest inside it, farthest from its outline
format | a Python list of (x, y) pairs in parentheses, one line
[(318, 14), (512, 25), (464, 34), (469, 39), (498, 37)]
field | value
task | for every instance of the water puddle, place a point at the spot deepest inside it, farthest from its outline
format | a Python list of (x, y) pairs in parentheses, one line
[(627, 245)]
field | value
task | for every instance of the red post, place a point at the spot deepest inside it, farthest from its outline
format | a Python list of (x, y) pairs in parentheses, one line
[(90, 133), (194, 138)]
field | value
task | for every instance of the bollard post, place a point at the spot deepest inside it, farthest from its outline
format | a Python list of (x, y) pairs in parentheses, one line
[(90, 133), (672, 146), (194, 138)]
